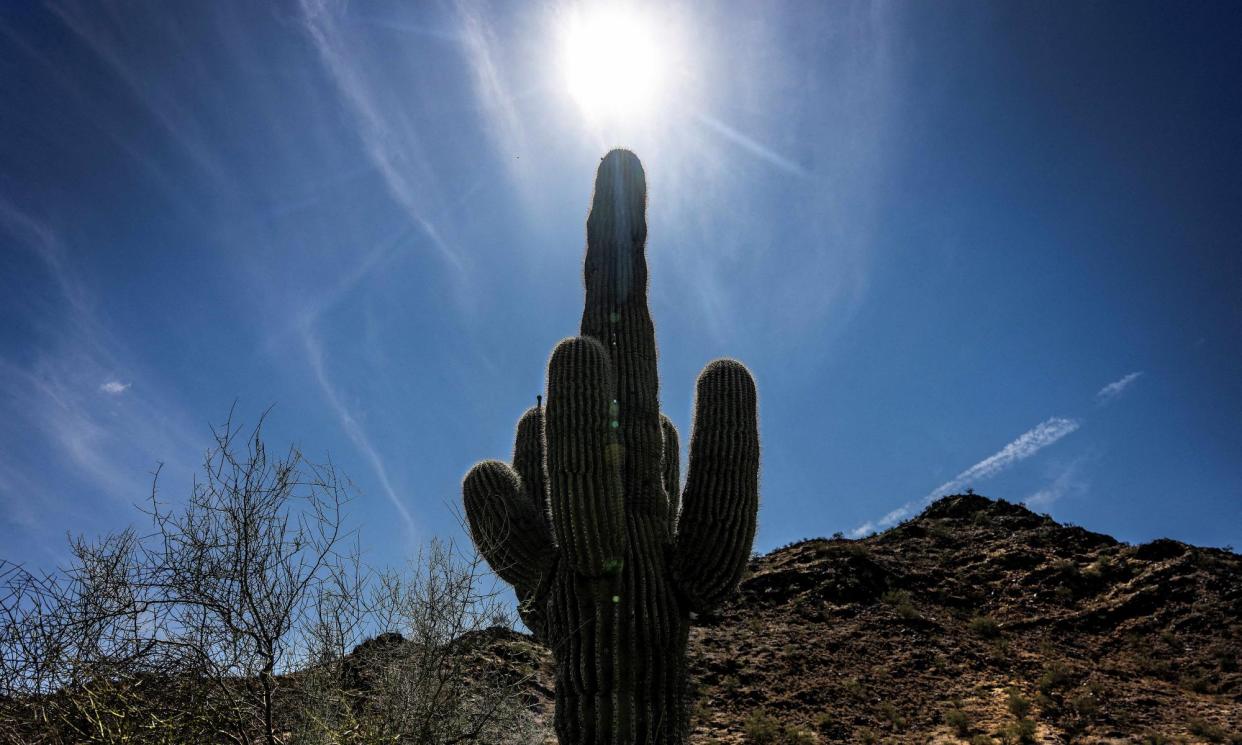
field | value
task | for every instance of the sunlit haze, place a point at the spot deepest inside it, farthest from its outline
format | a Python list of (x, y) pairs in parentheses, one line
[(615, 62)]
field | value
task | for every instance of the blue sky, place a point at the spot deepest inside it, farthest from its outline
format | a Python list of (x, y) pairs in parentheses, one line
[(986, 245)]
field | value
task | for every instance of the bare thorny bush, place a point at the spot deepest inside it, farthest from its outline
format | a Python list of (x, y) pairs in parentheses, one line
[(431, 684), (234, 619)]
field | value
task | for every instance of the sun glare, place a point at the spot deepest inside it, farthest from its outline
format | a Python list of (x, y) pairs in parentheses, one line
[(614, 66)]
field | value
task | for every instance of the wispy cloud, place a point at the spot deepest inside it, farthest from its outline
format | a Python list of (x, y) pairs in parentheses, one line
[(491, 89), (108, 41), (394, 150), (352, 427), (66, 438), (1027, 444), (1067, 481), (114, 387), (1113, 390), (1024, 446), (750, 145)]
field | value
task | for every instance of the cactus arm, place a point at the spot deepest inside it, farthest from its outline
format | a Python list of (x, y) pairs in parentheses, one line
[(670, 471), (721, 499), (528, 460), (506, 526), (616, 313), (588, 511)]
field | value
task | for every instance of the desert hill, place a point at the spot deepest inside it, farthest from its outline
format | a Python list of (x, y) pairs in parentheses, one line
[(979, 621)]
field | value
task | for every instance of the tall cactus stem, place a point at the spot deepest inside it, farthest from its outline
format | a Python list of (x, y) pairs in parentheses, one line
[(608, 554)]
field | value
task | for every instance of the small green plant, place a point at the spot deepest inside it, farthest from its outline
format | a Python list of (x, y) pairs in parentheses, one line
[(999, 649), (1021, 732), (1212, 732), (761, 728), (1196, 681), (795, 736), (1055, 676), (893, 715), (1018, 704), (982, 740), (868, 736), (856, 548), (901, 603), (958, 720), (985, 627), (1084, 704)]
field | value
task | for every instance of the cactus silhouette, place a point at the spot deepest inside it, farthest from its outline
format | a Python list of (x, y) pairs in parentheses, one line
[(586, 523)]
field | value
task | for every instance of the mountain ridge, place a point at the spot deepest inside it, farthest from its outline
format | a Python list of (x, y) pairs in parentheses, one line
[(976, 621)]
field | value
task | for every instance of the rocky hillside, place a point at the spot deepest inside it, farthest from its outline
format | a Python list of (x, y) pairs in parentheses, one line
[(979, 621)]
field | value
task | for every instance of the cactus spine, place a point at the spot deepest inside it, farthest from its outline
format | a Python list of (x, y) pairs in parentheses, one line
[(586, 523)]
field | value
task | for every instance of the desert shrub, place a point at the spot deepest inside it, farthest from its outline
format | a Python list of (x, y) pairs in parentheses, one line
[(1021, 732), (894, 716), (982, 740), (1084, 704), (999, 650), (1213, 732), (230, 618), (901, 603), (1196, 681), (762, 728), (1018, 704), (797, 736), (1055, 676), (958, 720), (985, 627)]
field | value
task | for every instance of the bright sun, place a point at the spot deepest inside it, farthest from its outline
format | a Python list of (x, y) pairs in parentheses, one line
[(613, 63)]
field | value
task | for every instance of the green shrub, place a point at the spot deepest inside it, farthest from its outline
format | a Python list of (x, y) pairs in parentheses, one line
[(761, 729), (958, 720), (985, 626), (1196, 681), (1021, 732), (1084, 704), (1019, 705), (901, 603), (1212, 732), (1055, 676), (893, 715)]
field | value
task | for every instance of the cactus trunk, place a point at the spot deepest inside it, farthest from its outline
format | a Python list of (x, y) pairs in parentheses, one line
[(587, 524)]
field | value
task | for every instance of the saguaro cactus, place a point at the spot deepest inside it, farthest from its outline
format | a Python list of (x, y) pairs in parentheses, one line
[(585, 524)]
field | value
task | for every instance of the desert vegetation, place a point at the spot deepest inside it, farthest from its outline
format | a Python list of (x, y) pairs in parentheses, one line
[(244, 614)]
